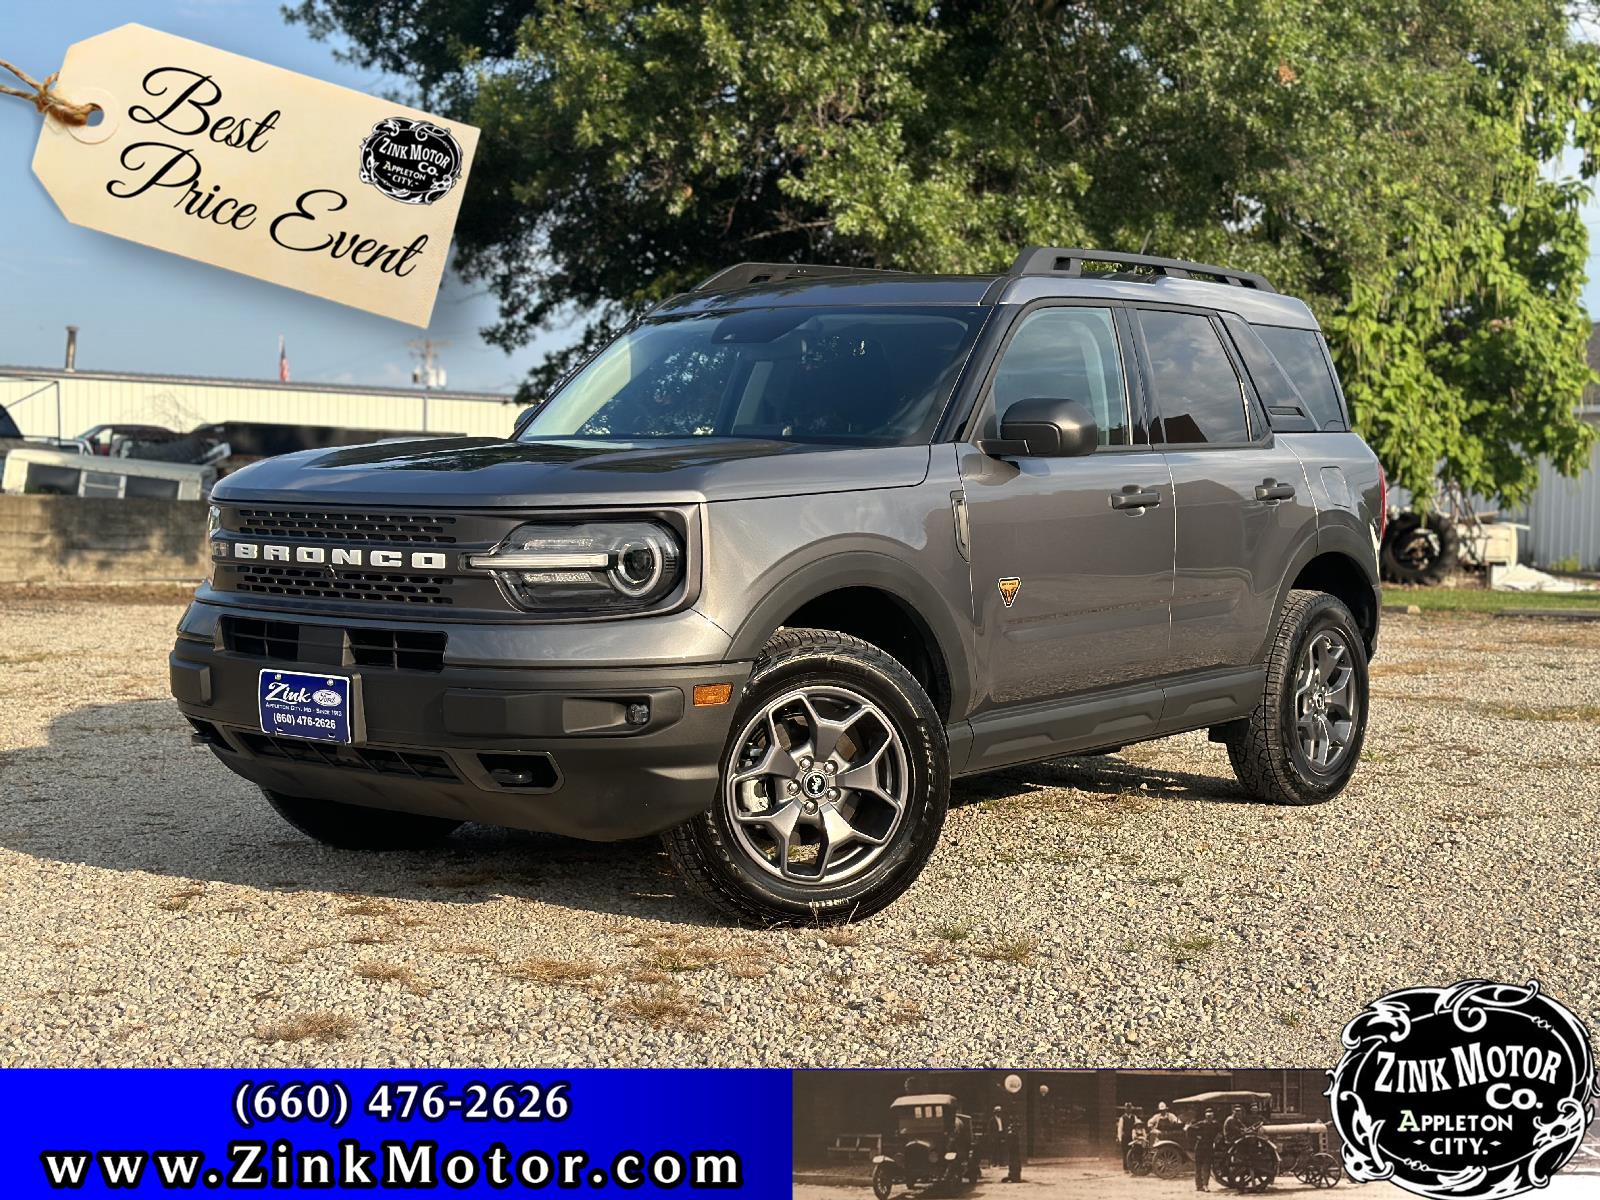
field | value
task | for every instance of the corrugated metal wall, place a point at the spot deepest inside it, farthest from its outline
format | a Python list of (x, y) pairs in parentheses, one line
[(86, 400), (1563, 517)]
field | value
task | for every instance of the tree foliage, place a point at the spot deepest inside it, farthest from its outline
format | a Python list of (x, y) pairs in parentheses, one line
[(1389, 160)]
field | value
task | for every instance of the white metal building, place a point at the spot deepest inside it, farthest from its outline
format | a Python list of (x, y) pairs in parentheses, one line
[(49, 402), (1563, 515)]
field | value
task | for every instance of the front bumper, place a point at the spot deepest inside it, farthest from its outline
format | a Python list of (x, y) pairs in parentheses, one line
[(531, 747)]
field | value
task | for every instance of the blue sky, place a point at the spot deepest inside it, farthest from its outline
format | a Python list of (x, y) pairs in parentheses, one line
[(141, 310)]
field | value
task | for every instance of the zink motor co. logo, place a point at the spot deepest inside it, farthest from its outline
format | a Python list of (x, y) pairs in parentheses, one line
[(1478, 1090), (414, 162)]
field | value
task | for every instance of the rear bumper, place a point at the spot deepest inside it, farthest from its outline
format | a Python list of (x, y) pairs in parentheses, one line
[(537, 748)]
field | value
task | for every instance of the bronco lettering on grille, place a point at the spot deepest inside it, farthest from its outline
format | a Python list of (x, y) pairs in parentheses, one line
[(332, 556)]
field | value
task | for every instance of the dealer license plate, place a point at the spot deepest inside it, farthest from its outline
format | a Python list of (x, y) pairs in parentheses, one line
[(315, 707)]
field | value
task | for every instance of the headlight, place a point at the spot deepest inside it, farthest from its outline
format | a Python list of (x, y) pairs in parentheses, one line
[(607, 566)]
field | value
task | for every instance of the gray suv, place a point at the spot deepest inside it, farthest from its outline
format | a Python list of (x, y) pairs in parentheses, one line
[(797, 549)]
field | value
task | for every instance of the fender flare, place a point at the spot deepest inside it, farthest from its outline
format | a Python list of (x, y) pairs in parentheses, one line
[(881, 572), (1348, 541)]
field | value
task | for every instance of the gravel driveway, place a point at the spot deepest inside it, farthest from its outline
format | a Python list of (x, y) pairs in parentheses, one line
[(1124, 911)]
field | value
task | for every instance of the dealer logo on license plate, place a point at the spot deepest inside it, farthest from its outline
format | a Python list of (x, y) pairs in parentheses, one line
[(296, 704)]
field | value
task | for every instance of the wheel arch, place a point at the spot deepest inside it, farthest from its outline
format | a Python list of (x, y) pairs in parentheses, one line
[(879, 600), (1338, 562)]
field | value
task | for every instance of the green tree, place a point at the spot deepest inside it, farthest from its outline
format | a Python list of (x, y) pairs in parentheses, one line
[(1389, 160)]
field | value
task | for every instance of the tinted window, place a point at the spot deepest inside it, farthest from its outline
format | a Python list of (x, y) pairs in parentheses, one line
[(1300, 353), (866, 377), (8, 427), (1199, 395), (1066, 354)]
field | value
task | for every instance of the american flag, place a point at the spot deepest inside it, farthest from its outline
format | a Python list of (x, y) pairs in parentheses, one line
[(283, 361)]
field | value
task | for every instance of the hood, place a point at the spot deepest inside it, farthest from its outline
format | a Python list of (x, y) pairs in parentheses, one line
[(489, 472)]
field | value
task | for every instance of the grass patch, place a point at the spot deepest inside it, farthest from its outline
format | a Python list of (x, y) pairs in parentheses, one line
[(556, 972), (663, 1009), (680, 959), (389, 972), (933, 956), (1587, 714), (1481, 600), (379, 937), (1016, 950), (1187, 951), (309, 1027), (953, 933), (844, 936)]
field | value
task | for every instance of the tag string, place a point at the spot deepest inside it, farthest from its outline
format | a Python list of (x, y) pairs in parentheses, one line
[(46, 101)]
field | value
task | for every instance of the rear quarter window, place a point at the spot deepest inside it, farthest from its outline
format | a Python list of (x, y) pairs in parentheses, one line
[(1303, 358)]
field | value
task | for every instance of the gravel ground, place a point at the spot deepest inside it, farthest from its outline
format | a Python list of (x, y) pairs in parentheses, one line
[(1124, 911)]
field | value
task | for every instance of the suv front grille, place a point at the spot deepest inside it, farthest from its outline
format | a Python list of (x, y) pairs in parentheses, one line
[(316, 584), (330, 646), (413, 763), (346, 526)]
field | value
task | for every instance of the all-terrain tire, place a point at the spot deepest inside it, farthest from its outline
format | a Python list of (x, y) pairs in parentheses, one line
[(1266, 754), (713, 861), (356, 827), (1419, 549)]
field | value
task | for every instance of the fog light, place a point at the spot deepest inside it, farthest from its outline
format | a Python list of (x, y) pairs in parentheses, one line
[(709, 695), (639, 713)]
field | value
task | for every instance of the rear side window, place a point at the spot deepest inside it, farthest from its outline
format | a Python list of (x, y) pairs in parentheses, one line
[(8, 427), (1304, 360), (1200, 397)]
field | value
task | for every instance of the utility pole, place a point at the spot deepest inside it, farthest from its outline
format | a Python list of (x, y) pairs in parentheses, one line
[(427, 374)]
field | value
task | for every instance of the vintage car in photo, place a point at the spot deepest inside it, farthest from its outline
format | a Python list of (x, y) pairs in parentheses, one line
[(932, 1143)]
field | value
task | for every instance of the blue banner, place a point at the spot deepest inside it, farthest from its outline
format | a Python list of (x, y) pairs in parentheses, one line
[(604, 1133)]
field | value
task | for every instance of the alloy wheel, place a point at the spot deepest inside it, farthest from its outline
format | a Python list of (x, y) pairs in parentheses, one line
[(1326, 702), (818, 786)]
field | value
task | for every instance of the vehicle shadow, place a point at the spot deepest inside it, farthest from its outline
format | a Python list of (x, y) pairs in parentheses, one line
[(1100, 775), (121, 787)]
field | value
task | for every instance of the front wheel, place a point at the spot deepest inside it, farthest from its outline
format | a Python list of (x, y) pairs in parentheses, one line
[(882, 1181), (833, 788), (355, 827), (1303, 741)]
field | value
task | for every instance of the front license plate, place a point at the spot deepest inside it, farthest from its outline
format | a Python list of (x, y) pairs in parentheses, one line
[(295, 704)]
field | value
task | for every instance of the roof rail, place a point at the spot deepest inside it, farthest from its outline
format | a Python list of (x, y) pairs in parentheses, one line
[(1052, 260), (747, 273)]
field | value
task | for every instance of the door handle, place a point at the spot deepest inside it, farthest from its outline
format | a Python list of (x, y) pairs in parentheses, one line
[(1271, 489), (1132, 497)]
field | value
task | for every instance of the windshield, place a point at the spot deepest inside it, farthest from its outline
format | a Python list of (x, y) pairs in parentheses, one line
[(858, 377)]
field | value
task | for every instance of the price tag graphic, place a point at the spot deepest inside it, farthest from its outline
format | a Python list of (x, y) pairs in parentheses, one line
[(258, 170)]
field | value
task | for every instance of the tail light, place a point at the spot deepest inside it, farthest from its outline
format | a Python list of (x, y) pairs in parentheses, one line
[(1383, 501)]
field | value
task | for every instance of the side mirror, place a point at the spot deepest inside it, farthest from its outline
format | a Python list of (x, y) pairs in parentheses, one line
[(523, 419), (1044, 428)]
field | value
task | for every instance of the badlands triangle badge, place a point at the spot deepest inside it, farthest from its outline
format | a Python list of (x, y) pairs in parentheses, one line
[(1009, 586)]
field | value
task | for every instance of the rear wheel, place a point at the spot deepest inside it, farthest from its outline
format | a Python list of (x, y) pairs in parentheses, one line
[(1167, 1161), (354, 827), (833, 788), (1303, 741)]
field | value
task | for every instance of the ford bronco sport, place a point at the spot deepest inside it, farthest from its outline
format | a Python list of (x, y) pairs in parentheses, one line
[(795, 550)]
